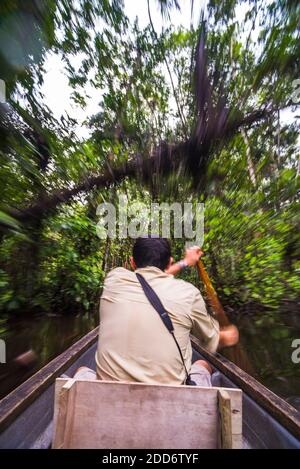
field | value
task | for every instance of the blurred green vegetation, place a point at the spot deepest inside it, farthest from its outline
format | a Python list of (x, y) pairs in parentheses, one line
[(53, 260)]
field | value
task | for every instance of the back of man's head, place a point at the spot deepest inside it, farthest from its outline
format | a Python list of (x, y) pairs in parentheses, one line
[(154, 252)]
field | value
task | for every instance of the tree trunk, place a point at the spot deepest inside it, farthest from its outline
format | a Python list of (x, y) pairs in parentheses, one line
[(250, 164)]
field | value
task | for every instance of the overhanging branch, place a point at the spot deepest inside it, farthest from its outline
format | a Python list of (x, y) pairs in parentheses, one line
[(165, 159)]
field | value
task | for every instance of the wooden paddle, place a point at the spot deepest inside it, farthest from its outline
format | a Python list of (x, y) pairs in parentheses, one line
[(212, 295), (235, 353)]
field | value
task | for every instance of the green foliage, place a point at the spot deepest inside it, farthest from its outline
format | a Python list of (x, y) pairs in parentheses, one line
[(251, 252), (72, 268), (145, 82)]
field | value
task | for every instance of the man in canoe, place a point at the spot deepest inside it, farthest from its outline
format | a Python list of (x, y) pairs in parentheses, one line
[(135, 343)]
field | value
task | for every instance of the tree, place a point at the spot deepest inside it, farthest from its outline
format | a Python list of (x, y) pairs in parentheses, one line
[(182, 113)]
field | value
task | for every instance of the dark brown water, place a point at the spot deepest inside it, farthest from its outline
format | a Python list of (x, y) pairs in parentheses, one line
[(46, 335), (266, 338)]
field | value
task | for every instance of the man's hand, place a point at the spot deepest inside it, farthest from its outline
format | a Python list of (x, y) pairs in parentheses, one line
[(229, 336), (192, 255)]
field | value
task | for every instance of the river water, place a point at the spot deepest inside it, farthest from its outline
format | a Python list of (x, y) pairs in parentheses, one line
[(266, 338), (45, 335)]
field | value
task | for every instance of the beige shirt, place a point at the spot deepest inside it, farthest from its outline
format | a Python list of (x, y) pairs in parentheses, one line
[(134, 344)]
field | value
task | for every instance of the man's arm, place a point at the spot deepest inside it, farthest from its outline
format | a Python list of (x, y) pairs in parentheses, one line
[(204, 326), (207, 329), (192, 256), (228, 335)]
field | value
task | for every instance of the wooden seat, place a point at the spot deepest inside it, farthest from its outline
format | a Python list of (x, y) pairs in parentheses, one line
[(101, 414)]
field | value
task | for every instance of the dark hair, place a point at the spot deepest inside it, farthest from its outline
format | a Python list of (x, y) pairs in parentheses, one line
[(152, 252)]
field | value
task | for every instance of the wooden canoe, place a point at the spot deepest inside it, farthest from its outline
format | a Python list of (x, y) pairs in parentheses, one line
[(26, 414)]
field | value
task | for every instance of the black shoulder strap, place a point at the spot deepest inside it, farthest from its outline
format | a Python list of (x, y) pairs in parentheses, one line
[(158, 306), (156, 303)]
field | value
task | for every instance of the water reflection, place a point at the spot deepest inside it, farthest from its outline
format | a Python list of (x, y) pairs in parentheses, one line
[(267, 339), (45, 335)]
